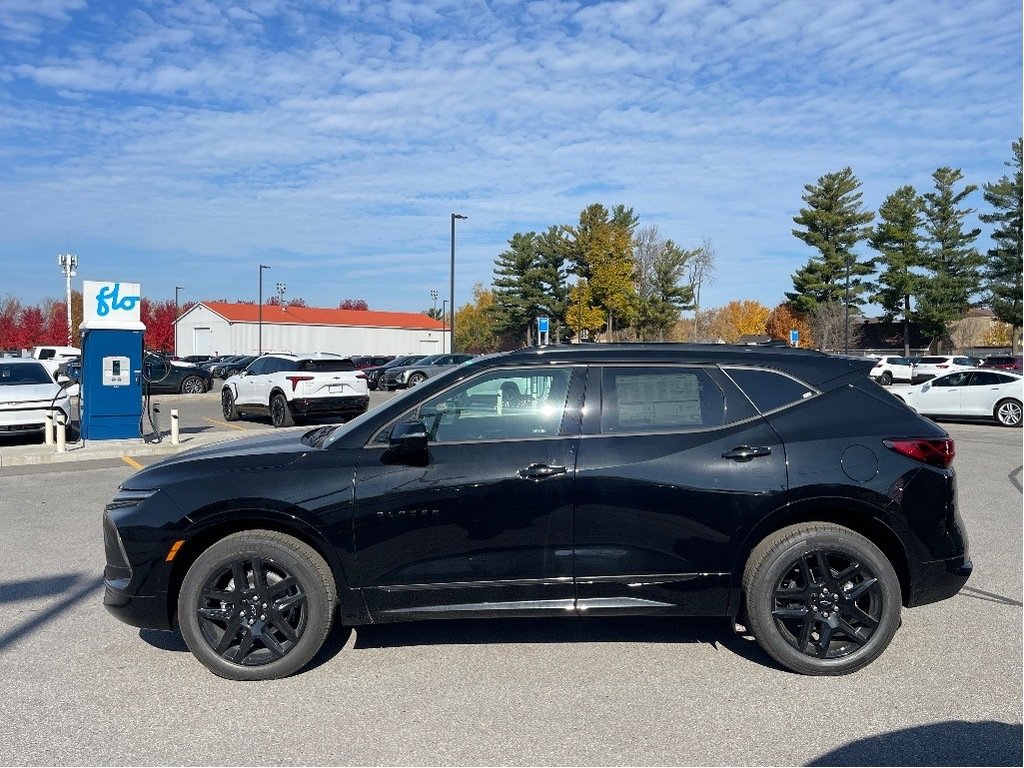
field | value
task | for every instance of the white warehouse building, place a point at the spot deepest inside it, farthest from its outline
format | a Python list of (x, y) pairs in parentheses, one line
[(219, 328)]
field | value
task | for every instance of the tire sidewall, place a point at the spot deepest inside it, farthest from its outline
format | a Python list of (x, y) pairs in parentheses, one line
[(842, 541), (319, 604), (999, 407), (228, 407)]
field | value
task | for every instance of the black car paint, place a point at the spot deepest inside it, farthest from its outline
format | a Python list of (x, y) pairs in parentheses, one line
[(637, 523)]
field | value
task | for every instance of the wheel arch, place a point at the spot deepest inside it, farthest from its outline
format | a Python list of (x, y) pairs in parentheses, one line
[(254, 517), (826, 511)]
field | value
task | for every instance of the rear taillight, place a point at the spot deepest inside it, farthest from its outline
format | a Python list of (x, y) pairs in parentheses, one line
[(296, 379), (939, 452)]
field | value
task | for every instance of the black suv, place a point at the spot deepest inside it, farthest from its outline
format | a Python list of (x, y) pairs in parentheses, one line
[(779, 487)]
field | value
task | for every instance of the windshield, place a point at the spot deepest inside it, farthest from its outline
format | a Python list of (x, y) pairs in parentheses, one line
[(24, 373)]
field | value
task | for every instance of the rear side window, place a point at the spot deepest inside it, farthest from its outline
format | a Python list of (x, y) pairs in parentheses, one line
[(326, 366), (769, 390), (659, 400), (933, 360)]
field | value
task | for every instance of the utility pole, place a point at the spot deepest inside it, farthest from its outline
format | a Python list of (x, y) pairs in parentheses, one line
[(259, 348), (68, 262), (281, 288), (176, 289), (451, 325)]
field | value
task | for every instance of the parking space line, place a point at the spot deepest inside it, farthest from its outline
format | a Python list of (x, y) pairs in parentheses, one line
[(225, 424), (131, 462)]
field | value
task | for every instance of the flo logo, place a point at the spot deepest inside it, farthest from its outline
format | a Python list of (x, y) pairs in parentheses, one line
[(109, 299)]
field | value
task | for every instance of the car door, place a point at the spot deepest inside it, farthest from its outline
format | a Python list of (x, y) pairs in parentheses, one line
[(672, 461), (942, 395), (249, 384), (481, 523), (979, 396)]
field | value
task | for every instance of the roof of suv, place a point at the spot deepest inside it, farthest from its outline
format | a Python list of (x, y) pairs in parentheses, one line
[(810, 366)]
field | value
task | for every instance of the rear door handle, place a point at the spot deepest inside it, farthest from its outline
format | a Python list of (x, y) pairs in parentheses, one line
[(541, 471), (747, 452)]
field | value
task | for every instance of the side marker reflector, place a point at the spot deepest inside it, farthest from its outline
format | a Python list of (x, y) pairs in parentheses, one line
[(174, 549)]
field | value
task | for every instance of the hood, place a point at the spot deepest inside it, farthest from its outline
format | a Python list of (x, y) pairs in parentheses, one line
[(20, 393), (239, 455)]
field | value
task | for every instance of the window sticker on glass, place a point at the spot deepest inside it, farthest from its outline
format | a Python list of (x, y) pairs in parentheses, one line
[(658, 399)]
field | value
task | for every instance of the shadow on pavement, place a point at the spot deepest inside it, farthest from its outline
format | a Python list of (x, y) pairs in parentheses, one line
[(72, 587)]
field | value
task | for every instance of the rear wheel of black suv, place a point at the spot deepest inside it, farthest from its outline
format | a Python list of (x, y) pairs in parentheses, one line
[(821, 599), (280, 411), (257, 605)]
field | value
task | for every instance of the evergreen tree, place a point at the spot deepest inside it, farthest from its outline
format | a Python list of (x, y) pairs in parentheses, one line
[(660, 269), (517, 290), (1004, 266), (551, 274), (898, 242), (833, 223), (952, 262)]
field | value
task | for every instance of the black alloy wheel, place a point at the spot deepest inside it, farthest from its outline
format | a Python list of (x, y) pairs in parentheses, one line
[(886, 378), (280, 411), (192, 385), (1008, 412), (821, 599), (257, 605), (227, 405)]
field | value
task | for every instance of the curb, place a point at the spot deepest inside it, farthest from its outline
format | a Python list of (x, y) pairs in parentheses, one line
[(106, 449)]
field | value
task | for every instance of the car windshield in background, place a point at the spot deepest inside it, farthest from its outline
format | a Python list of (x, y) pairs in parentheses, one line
[(325, 366), (24, 374)]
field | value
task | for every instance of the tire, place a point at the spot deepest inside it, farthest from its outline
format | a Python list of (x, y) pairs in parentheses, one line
[(227, 405), (804, 578), (192, 385), (885, 379), (1008, 412), (416, 378), (274, 624), (280, 411)]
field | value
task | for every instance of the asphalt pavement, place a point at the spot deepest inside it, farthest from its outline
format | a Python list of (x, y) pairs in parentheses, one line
[(79, 687)]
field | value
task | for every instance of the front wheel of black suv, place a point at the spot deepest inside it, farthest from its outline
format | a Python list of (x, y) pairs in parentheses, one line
[(821, 599), (257, 605)]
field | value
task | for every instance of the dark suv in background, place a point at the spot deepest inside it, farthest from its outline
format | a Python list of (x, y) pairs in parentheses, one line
[(375, 373), (781, 488)]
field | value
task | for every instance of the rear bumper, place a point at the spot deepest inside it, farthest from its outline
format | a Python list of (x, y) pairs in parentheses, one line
[(330, 406), (940, 579)]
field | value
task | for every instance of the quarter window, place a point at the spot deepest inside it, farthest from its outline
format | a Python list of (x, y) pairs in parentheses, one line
[(769, 390), (659, 400)]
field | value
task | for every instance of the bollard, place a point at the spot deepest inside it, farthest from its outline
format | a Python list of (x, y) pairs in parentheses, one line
[(61, 435), (174, 426), (48, 428)]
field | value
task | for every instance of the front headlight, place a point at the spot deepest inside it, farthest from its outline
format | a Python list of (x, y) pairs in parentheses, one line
[(128, 498)]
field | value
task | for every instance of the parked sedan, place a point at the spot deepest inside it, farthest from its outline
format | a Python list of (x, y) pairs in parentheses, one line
[(985, 394), (162, 376), (779, 487), (229, 368), (28, 389), (404, 376), (374, 373), (1004, 362)]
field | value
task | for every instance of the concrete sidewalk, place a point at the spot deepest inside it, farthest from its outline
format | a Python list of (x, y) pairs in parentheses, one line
[(90, 450)]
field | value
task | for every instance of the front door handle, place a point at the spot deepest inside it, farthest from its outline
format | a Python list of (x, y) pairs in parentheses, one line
[(747, 452), (541, 471)]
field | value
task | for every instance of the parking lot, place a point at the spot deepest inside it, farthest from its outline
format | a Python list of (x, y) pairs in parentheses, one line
[(82, 688)]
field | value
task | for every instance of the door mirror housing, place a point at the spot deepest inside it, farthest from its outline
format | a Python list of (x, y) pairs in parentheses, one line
[(408, 439)]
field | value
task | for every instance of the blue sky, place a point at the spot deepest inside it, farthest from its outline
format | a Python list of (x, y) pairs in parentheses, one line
[(184, 143)]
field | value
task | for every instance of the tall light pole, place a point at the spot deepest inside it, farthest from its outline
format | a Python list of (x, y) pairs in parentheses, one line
[(176, 289), (444, 323), (259, 348), (68, 262), (281, 288), (451, 287)]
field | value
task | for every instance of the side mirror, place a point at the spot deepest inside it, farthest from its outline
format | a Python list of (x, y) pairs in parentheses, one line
[(408, 438)]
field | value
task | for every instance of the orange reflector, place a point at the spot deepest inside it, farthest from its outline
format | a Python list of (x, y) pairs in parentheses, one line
[(174, 549)]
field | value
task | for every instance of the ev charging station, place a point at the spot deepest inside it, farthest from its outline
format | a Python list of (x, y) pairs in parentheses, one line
[(112, 353)]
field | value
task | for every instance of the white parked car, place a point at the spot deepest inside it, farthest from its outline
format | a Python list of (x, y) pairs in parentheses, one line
[(292, 388), (28, 390), (976, 393), (889, 369), (935, 365)]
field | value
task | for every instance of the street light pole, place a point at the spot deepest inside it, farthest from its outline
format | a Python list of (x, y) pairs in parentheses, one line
[(451, 287), (444, 323), (846, 324), (259, 347), (176, 289)]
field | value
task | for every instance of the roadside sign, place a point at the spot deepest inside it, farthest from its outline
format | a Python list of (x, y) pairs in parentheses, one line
[(794, 337), (542, 324)]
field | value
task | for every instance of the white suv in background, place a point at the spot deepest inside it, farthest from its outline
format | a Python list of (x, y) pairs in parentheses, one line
[(291, 388), (889, 369), (938, 365)]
